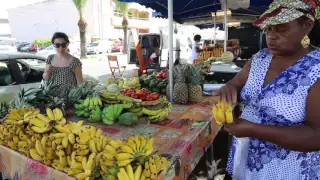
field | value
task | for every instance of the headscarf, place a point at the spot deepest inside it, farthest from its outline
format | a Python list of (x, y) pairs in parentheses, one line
[(284, 11)]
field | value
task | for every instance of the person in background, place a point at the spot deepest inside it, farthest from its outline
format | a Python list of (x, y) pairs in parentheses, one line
[(156, 54), (62, 68), (277, 134), (195, 48)]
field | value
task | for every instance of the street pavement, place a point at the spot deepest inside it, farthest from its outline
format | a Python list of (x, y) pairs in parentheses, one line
[(98, 66)]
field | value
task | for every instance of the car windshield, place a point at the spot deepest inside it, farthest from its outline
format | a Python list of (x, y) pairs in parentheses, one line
[(34, 63), (94, 44)]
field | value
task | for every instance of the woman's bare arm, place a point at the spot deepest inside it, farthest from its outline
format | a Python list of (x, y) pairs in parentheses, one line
[(78, 73)]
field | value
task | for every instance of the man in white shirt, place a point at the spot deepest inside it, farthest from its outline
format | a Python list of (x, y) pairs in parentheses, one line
[(195, 48)]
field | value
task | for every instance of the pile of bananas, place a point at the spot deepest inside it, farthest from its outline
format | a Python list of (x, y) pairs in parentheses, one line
[(120, 158), (222, 113), (21, 116), (91, 106)]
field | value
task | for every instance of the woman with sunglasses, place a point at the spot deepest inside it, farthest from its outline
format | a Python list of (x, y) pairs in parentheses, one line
[(277, 136), (62, 68)]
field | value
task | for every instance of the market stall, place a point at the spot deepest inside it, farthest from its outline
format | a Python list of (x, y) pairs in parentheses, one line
[(120, 136)]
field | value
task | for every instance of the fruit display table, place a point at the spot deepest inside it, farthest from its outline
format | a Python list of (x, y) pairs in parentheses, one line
[(184, 138)]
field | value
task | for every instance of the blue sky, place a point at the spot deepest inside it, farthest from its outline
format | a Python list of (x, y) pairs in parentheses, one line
[(12, 4)]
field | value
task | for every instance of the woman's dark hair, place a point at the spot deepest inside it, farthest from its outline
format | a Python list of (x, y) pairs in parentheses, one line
[(314, 34), (60, 35), (197, 37)]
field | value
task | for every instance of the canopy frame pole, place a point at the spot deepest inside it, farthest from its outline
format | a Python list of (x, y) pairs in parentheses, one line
[(225, 25), (170, 27), (215, 28)]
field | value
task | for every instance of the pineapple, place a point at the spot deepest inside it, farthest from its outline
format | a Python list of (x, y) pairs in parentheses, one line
[(180, 89), (194, 87)]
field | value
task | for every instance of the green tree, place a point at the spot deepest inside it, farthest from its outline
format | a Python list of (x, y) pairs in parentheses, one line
[(124, 9), (80, 5)]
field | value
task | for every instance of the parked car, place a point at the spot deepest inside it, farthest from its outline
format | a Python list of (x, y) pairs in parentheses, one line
[(29, 48), (21, 70), (74, 50), (20, 45), (99, 47), (117, 46)]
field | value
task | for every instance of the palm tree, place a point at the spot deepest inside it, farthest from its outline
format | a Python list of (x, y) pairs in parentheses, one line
[(123, 7), (80, 5)]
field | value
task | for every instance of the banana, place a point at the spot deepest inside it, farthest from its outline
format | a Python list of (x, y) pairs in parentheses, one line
[(15, 139), (121, 176), (46, 161), (43, 118), (221, 116), (129, 171), (83, 175), (62, 129), (50, 114), (80, 146), (92, 131), (132, 145), (79, 158), (108, 156), (150, 112), (228, 113), (63, 121), (115, 143), (82, 152), (123, 156), (57, 166), (50, 153), (59, 135), (162, 115), (124, 162), (152, 165), (147, 172), (143, 177), (143, 143), (22, 144), (76, 165), (108, 163), (34, 155), (43, 141), (92, 146), (27, 115), (136, 140), (124, 174), (63, 160), (80, 141), (71, 138), (73, 172), (91, 162), (98, 143), (110, 149), (58, 141), (84, 163), (98, 133), (40, 130), (125, 149), (69, 149), (149, 147), (137, 173), (58, 115), (39, 148), (38, 123), (65, 141)]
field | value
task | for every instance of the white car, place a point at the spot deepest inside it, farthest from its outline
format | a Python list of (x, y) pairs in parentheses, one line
[(99, 47), (52, 50)]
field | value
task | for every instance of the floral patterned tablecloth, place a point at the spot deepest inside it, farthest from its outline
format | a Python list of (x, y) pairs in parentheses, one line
[(184, 137)]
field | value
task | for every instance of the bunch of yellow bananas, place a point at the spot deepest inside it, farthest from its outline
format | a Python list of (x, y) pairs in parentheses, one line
[(21, 115), (44, 123), (222, 113), (123, 153), (155, 165)]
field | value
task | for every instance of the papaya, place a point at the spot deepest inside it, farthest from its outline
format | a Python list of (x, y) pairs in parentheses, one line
[(128, 119)]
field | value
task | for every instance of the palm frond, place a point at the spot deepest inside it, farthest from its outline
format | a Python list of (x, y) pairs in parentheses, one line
[(123, 7), (80, 5)]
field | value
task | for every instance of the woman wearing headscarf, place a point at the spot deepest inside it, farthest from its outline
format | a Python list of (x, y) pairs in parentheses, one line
[(277, 136)]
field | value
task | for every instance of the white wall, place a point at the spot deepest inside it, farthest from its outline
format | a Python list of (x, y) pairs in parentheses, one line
[(42, 19)]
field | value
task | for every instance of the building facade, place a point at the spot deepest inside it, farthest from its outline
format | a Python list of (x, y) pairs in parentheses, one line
[(41, 20)]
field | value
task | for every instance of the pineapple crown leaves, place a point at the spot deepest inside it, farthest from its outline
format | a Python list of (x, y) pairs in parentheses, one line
[(194, 75)]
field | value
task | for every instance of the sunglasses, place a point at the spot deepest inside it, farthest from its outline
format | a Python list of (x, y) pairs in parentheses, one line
[(58, 45)]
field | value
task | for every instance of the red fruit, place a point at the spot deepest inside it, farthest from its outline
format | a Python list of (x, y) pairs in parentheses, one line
[(139, 92), (142, 97), (155, 96), (135, 96), (129, 94), (149, 98)]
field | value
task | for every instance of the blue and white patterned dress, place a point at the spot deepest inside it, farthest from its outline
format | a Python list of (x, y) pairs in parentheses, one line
[(280, 103)]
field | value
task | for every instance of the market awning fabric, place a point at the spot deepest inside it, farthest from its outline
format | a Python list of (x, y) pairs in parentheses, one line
[(184, 10)]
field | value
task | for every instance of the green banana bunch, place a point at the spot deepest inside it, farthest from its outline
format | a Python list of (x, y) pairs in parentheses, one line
[(111, 113), (96, 115)]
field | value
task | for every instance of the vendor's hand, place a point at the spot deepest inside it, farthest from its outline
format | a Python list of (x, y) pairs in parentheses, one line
[(239, 128), (228, 93)]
